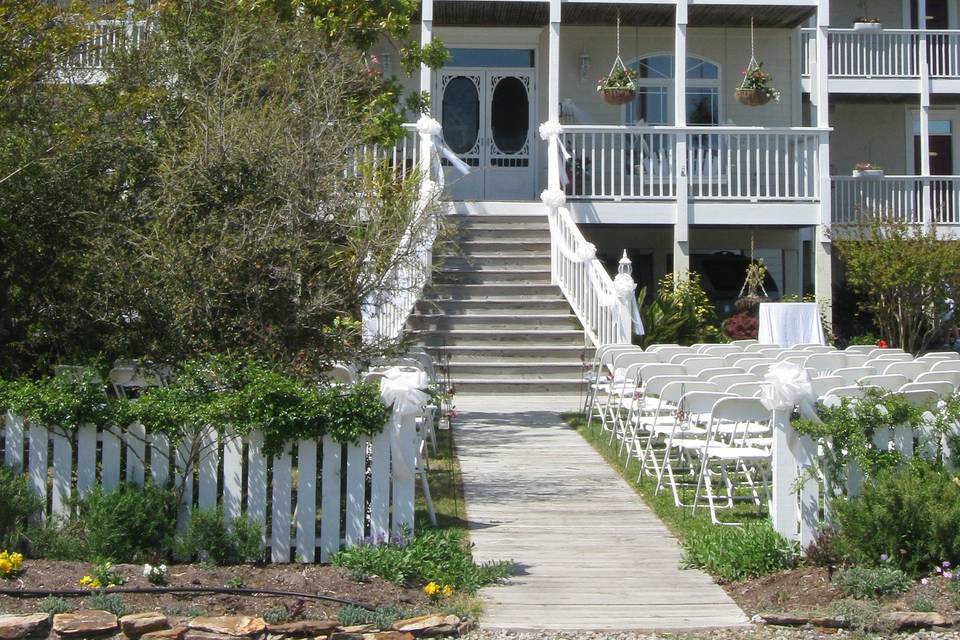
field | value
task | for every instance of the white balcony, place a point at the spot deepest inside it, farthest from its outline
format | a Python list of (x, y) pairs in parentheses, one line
[(898, 199), (749, 164), (886, 61)]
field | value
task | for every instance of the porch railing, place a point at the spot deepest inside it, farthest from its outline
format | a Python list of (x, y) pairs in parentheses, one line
[(890, 53), (106, 37), (722, 163), (385, 311), (896, 199)]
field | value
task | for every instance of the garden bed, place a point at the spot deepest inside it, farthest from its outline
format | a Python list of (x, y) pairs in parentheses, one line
[(320, 579)]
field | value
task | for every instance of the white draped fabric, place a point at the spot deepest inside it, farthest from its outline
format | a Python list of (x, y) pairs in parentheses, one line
[(402, 389), (790, 323)]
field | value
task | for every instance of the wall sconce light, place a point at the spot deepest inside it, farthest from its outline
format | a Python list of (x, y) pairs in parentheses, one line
[(584, 66)]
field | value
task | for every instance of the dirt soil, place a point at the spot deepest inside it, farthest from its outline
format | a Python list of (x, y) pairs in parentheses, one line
[(807, 590), (320, 579)]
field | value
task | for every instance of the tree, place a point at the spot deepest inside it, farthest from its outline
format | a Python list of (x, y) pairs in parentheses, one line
[(209, 199), (905, 276)]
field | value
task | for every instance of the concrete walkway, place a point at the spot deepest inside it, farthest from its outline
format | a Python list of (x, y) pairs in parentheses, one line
[(591, 555)]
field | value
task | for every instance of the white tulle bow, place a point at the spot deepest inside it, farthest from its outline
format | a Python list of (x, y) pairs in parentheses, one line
[(789, 387), (402, 389), (553, 198), (430, 127)]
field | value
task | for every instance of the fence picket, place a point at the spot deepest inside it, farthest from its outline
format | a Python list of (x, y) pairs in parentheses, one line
[(86, 459), (62, 464), (37, 464), (207, 464), (356, 490), (13, 447), (257, 484), (306, 512), (159, 459), (380, 485), (403, 472), (232, 476), (330, 499), (280, 515), (136, 451), (110, 459)]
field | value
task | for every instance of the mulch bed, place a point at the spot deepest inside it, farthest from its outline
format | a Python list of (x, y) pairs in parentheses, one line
[(807, 590), (320, 579)]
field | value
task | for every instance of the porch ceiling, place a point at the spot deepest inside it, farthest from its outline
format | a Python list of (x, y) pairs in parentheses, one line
[(488, 13)]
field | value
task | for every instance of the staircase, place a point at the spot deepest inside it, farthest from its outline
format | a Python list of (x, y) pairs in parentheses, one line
[(492, 311)]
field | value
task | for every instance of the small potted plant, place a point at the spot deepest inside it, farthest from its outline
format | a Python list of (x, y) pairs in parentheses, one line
[(755, 90), (618, 86), (867, 170), (865, 22)]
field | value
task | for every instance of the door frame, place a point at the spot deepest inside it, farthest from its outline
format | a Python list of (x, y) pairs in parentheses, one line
[(951, 14), (940, 113)]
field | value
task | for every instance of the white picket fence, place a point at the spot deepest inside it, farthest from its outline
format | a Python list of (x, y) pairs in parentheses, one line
[(801, 487), (297, 497)]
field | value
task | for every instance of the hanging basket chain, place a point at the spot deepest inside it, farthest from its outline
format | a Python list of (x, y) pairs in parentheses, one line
[(753, 64), (618, 87), (618, 61)]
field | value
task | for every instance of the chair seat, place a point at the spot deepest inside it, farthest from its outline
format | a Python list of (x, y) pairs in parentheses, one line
[(737, 453)]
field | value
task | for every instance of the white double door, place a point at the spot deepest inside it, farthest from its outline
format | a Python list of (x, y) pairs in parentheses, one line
[(488, 118)]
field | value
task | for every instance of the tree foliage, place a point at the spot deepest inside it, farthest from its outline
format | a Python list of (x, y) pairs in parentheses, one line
[(207, 196), (905, 276)]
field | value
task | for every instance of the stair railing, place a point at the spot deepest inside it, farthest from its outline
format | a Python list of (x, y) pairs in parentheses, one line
[(605, 306), (385, 310)]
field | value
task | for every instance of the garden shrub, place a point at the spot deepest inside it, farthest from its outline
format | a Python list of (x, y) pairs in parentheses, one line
[(382, 617), (54, 605), (435, 555), (132, 525), (871, 582), (909, 514), (736, 553), (111, 602), (680, 313), (211, 538), (17, 503), (741, 326)]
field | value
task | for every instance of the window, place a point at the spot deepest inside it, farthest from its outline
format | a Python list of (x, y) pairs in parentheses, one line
[(514, 58), (654, 101)]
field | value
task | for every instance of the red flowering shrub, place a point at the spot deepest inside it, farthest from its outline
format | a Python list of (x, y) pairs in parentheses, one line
[(741, 326)]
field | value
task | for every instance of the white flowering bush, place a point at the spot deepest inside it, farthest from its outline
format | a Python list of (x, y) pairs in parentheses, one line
[(155, 574)]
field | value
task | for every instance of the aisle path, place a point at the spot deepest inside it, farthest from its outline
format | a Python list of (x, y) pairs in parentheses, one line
[(591, 555)]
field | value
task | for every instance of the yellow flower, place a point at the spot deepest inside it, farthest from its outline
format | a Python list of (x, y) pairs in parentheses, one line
[(447, 591), (85, 580), (5, 566), (431, 589)]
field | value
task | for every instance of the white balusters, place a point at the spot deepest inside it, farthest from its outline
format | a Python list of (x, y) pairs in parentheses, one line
[(896, 199)]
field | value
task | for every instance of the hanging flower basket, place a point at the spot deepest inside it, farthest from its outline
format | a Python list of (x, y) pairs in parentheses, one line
[(618, 95), (752, 97)]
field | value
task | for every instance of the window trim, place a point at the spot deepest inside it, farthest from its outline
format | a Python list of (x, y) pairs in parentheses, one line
[(698, 83)]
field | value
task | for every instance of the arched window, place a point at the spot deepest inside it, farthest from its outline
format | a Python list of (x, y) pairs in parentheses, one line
[(654, 101)]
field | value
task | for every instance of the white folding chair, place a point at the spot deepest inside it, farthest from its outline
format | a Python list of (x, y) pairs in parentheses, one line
[(909, 369), (941, 355), (666, 353), (738, 450), (653, 348), (727, 381), (953, 377), (743, 343), (756, 347), (808, 345), (887, 383), (826, 363), (851, 375), (822, 385), (942, 389), (702, 364), (856, 359), (772, 352), (890, 357), (601, 376), (340, 374), (946, 365), (708, 374), (877, 351), (921, 397), (859, 348), (720, 350), (733, 359), (820, 348), (747, 389), (760, 369), (833, 397)]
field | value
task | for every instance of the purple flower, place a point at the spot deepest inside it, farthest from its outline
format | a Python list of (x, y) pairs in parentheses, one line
[(924, 581), (884, 557), (948, 574), (946, 564), (938, 569)]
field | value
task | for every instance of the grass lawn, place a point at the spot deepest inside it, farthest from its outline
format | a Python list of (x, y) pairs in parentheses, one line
[(681, 521), (446, 486)]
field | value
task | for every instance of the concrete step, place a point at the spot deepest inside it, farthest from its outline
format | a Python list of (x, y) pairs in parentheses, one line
[(501, 245), (515, 306), (483, 262), (571, 388), (493, 275), (494, 337), (517, 370), (506, 353), (531, 323), (516, 221), (501, 233), (488, 291)]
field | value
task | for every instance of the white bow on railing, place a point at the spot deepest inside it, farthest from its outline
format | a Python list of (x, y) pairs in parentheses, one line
[(625, 287), (427, 126), (583, 251), (550, 131), (789, 387), (403, 390)]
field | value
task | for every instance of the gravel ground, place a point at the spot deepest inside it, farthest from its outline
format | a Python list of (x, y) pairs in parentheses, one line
[(751, 633)]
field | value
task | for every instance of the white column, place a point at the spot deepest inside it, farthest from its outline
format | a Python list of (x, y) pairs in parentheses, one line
[(681, 229), (426, 73), (922, 56), (553, 94), (823, 272)]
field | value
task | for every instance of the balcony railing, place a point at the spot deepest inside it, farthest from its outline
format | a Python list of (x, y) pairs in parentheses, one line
[(896, 199), (106, 37), (722, 163), (890, 53)]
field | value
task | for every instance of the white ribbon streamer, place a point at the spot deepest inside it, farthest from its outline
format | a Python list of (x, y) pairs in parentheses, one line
[(429, 127), (625, 287), (402, 389)]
